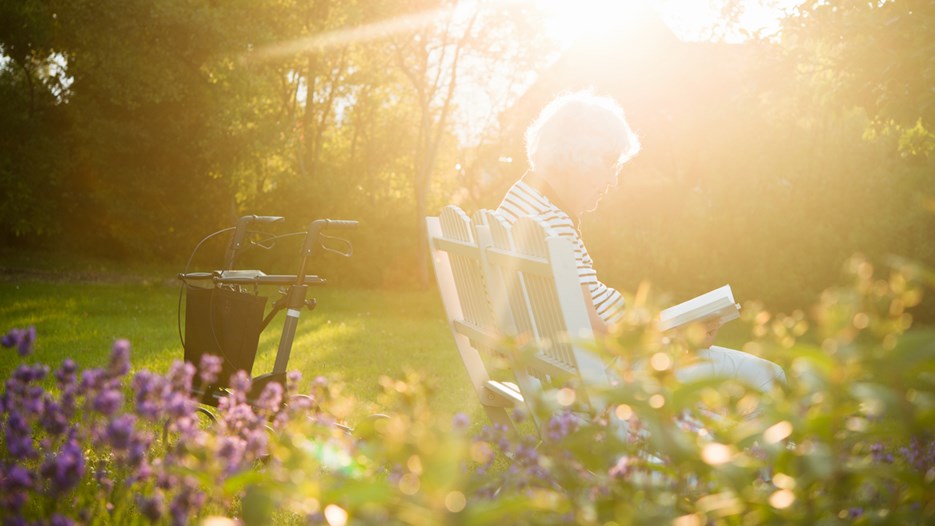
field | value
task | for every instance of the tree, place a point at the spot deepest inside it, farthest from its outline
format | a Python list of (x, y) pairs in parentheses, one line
[(434, 58), (33, 142), (876, 56)]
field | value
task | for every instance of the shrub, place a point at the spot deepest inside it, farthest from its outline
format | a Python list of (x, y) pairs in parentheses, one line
[(848, 438)]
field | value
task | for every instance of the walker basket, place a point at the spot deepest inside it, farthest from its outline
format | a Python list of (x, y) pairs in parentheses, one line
[(226, 324)]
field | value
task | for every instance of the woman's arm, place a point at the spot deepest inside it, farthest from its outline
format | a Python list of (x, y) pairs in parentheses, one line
[(598, 325)]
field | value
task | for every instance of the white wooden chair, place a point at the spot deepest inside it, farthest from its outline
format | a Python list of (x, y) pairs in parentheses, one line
[(459, 271), (534, 272), (517, 286)]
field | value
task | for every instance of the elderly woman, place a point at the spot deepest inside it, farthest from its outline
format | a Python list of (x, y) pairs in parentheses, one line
[(576, 148)]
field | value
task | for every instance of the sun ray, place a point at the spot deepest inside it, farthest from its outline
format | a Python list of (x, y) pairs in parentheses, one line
[(343, 37)]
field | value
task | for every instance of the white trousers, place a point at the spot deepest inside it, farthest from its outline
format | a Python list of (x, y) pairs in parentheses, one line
[(722, 362)]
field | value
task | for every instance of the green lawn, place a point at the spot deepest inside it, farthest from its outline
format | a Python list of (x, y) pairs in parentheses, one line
[(353, 335)]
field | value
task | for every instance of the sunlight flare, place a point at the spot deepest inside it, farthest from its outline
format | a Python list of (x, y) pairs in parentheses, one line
[(346, 36)]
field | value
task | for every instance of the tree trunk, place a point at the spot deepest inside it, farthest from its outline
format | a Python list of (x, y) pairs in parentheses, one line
[(422, 265)]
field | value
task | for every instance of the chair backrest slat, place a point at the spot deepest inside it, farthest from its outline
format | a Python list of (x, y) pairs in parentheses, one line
[(518, 281), (558, 318), (505, 265), (456, 258), (465, 263)]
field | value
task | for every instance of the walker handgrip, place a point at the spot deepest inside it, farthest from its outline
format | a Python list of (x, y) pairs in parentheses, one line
[(315, 228), (342, 224), (240, 233), (267, 219), (192, 276)]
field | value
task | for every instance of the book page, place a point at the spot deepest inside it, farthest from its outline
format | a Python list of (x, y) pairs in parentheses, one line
[(716, 302)]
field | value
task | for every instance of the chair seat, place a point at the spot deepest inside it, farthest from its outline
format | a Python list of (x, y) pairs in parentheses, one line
[(505, 391)]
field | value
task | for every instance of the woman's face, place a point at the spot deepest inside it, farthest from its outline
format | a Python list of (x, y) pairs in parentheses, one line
[(585, 188)]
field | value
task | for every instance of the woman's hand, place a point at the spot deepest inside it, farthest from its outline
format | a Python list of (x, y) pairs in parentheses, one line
[(711, 328)]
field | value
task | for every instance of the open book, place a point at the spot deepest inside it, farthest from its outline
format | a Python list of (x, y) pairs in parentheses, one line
[(718, 304)]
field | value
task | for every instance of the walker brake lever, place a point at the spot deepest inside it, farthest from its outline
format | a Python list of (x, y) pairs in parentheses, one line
[(346, 251)]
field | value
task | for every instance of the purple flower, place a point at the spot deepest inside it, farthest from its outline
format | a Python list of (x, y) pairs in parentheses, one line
[(69, 402), (180, 376), (11, 338), (102, 476), (66, 374), (26, 374), (621, 469), (184, 503), (15, 485), (23, 339), (33, 401), (292, 381), (560, 426), (237, 415), (527, 454), (151, 390), (256, 443), (15, 502), (880, 454), (27, 342), (137, 449), (153, 507), (240, 382), (143, 470), (271, 398), (231, 451), (91, 380), (518, 415), (108, 401), (59, 520), (120, 432), (460, 422), (119, 359), (178, 405), (18, 437), (17, 478), (65, 469), (53, 419), (920, 453), (320, 382), (209, 368), (165, 479)]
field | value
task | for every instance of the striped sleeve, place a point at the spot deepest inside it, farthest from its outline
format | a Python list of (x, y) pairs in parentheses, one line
[(521, 201)]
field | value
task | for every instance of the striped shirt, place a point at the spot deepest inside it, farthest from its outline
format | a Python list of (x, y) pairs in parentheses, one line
[(523, 200)]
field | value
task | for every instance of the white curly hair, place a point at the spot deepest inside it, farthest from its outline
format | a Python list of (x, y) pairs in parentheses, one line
[(577, 132)]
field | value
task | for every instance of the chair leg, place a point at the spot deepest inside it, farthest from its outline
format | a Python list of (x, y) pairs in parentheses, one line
[(500, 416)]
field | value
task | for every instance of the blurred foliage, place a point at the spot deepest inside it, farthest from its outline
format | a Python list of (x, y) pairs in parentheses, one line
[(824, 150), (178, 117), (847, 439), (132, 130)]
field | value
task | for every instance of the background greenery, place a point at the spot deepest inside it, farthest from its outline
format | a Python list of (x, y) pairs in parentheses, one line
[(130, 129), (354, 336), (847, 440)]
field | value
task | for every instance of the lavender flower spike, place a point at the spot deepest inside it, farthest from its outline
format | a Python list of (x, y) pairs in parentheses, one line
[(18, 437), (120, 432), (23, 339), (108, 401), (67, 373), (11, 338), (28, 341), (209, 368), (119, 359), (460, 422), (65, 470)]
